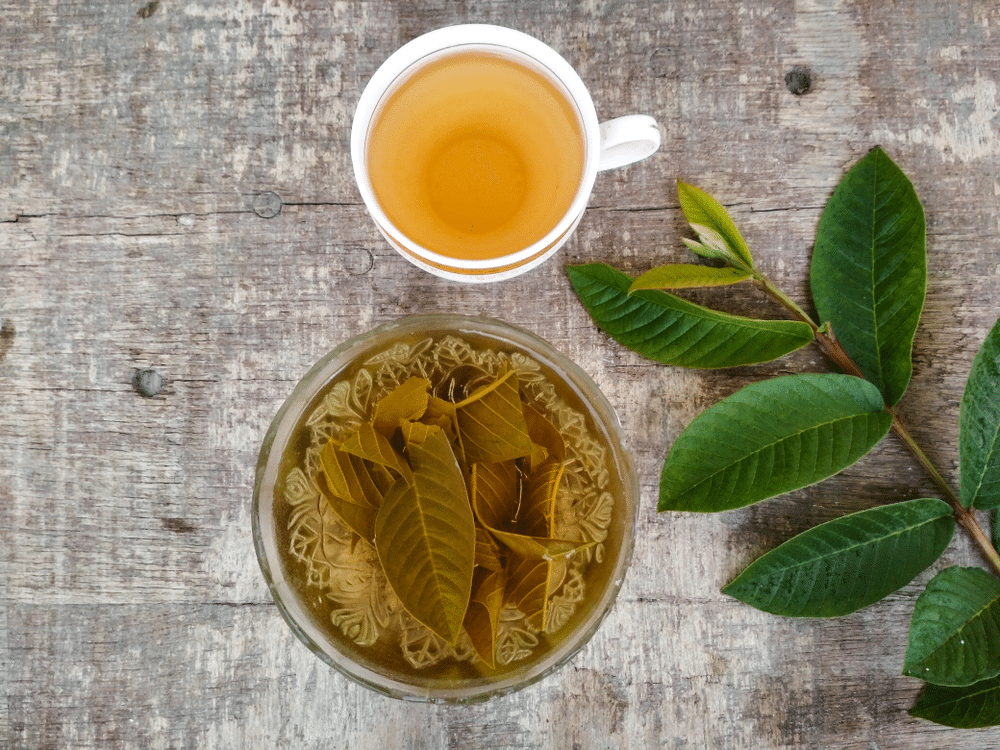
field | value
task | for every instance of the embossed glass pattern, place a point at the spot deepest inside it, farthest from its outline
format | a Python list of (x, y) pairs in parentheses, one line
[(330, 586)]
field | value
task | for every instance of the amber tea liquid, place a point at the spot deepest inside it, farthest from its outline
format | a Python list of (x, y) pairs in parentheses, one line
[(476, 155)]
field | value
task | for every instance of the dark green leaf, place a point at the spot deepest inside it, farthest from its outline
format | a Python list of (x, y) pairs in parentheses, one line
[(996, 530), (769, 438), (955, 631), (677, 332), (979, 428), (869, 270), (713, 224), (851, 562), (968, 707)]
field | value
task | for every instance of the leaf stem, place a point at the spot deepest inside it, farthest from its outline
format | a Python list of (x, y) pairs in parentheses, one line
[(827, 343), (775, 293), (963, 515)]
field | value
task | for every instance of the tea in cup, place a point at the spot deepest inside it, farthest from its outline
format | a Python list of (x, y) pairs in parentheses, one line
[(476, 147)]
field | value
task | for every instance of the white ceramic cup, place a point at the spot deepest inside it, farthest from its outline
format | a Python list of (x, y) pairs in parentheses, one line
[(607, 145)]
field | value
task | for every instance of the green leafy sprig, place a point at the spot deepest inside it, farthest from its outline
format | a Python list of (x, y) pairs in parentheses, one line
[(868, 279)]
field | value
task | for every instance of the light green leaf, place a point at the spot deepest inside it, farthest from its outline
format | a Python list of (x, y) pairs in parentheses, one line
[(869, 270), (677, 332), (703, 212), (425, 536), (686, 276), (955, 630), (770, 438), (848, 563), (968, 707), (979, 428)]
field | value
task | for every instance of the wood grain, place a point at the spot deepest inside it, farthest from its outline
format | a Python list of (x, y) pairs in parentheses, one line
[(176, 193)]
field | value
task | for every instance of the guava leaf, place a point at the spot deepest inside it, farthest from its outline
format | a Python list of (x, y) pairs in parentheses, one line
[(425, 536), (360, 519), (538, 503), (482, 619), (954, 634), (848, 563), (769, 438), (674, 331), (703, 212), (979, 428), (491, 421), (368, 443), (497, 499), (685, 276), (967, 707), (404, 403), (341, 476), (530, 585), (869, 270)]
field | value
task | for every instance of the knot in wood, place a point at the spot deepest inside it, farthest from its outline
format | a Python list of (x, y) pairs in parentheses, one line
[(147, 382), (798, 80)]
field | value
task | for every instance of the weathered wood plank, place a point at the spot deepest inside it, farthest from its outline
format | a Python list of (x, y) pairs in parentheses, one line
[(176, 193)]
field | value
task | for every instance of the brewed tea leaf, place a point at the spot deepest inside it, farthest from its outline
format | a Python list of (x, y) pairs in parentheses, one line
[(543, 433), (482, 618), (979, 428), (372, 445), (370, 480), (496, 497), (355, 509), (487, 553), (417, 432), (341, 477), (496, 494), (425, 536), (530, 585), (491, 421), (405, 403), (538, 503), (686, 276), (673, 331)]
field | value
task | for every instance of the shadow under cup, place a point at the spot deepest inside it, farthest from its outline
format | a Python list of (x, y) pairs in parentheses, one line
[(512, 206)]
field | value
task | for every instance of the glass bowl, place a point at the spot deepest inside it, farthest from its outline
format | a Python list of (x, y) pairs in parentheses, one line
[(328, 582)]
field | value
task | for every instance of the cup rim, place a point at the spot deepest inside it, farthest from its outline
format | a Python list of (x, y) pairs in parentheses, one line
[(288, 417), (476, 36)]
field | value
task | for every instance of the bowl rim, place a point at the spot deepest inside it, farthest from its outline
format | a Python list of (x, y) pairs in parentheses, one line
[(288, 418)]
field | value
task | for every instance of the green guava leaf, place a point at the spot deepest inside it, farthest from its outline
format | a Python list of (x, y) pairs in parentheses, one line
[(869, 270), (848, 563), (968, 707), (687, 276), (714, 226), (955, 630), (979, 428), (674, 331), (770, 438)]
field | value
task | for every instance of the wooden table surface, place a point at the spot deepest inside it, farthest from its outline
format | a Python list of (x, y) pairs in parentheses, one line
[(176, 193)]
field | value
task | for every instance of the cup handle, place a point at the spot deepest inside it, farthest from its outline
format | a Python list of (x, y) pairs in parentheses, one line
[(628, 139)]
